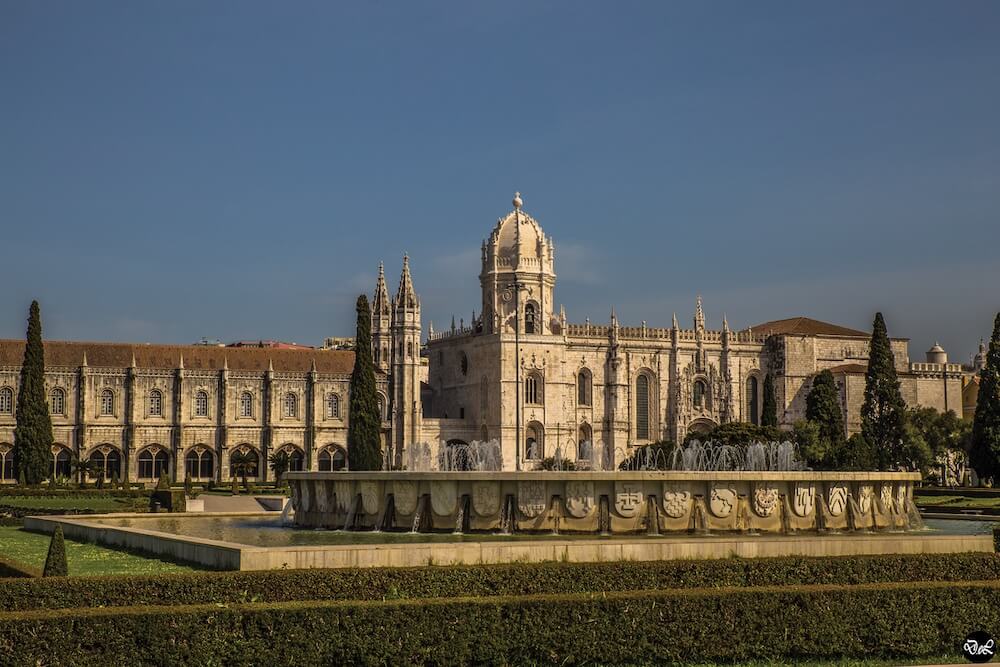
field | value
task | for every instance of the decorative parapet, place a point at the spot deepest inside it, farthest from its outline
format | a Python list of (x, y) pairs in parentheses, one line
[(936, 370), (660, 333)]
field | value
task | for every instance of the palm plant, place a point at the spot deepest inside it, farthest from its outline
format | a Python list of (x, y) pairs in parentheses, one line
[(280, 463), (243, 463)]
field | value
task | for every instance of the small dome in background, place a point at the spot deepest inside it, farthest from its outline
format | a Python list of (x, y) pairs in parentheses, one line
[(937, 355)]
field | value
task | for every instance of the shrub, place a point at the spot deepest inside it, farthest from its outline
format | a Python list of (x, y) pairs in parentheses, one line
[(13, 568), (55, 561)]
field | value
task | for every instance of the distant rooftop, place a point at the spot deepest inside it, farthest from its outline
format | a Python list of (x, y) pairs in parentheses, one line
[(806, 326)]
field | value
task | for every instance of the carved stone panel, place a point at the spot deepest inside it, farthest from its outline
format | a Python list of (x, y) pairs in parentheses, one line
[(865, 495), (531, 498), (444, 497), (676, 499), (722, 500), (837, 498), (765, 499), (902, 494), (369, 496), (486, 498), (804, 499), (323, 492), (628, 498), (405, 496), (305, 500), (885, 495), (345, 495), (579, 498)]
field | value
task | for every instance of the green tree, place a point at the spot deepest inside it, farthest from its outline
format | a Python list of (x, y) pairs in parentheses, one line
[(280, 463), (243, 463), (823, 407), (55, 561), (985, 450), (364, 451), (883, 413), (769, 411), (856, 454), (813, 448), (33, 433)]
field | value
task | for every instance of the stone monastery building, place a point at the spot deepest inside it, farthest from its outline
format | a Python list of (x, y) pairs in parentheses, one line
[(520, 373)]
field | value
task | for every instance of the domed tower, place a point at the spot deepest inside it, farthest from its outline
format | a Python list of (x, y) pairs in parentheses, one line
[(937, 355), (518, 252), (979, 362)]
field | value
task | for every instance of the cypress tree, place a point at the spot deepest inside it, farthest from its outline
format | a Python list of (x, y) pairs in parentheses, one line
[(33, 433), (364, 451), (769, 409), (55, 561), (823, 408), (985, 451), (883, 414)]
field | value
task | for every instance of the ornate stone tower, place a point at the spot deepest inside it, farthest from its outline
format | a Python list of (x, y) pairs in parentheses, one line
[(381, 324), (404, 407), (518, 251)]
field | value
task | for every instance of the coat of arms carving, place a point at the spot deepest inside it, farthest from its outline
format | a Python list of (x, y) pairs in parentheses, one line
[(804, 499), (885, 496), (722, 500), (486, 498), (369, 496), (404, 496), (628, 498), (765, 499), (676, 500), (865, 496), (837, 499), (345, 496), (444, 497), (579, 498), (323, 494), (531, 498)]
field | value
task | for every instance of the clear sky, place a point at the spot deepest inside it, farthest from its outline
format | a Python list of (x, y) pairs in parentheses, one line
[(236, 170)]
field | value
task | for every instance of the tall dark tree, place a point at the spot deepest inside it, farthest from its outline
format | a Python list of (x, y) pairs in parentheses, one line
[(883, 414), (364, 451), (33, 434), (985, 452), (769, 411), (823, 408)]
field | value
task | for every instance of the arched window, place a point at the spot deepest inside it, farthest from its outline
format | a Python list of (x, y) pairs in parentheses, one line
[(57, 401), (534, 441), (296, 459), (698, 394), (199, 463), (6, 401), (153, 462), (642, 407), (155, 403), (585, 446), (62, 467), (529, 318), (246, 404), (107, 402), (533, 390), (6, 462), (376, 359), (332, 458), (201, 404), (105, 463), (484, 397), (332, 406), (409, 350), (381, 407), (584, 387), (752, 404), (291, 405), (244, 461), (484, 434)]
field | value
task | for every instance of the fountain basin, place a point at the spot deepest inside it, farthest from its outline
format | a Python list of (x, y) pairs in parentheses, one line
[(615, 502)]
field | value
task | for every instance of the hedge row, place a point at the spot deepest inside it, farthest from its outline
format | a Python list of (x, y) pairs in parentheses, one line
[(791, 623), (13, 568), (487, 580), (45, 492)]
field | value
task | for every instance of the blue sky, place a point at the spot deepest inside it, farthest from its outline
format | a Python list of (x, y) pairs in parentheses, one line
[(237, 170)]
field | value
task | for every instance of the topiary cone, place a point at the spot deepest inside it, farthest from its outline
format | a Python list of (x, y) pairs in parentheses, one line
[(55, 561)]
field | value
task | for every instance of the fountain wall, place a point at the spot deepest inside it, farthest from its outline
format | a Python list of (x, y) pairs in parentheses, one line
[(621, 502)]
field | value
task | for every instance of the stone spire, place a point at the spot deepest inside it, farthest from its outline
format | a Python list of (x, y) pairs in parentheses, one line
[(381, 299), (406, 297), (675, 325), (699, 316)]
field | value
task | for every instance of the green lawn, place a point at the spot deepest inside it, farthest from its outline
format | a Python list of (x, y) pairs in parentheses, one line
[(95, 503), (31, 548), (956, 501)]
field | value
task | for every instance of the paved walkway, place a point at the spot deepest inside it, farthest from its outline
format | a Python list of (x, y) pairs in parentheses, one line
[(231, 504)]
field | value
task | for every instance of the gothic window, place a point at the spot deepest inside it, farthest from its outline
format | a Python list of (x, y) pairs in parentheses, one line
[(534, 445), (484, 397), (201, 404), (291, 405), (152, 463), (296, 459), (61, 464), (584, 387), (6, 462), (246, 404), (698, 394), (642, 407), (409, 350), (752, 405), (105, 464), (376, 354), (529, 318), (385, 353), (332, 458), (585, 446), (107, 402), (464, 364), (6, 401), (199, 463), (155, 403), (57, 401), (381, 408), (533, 394), (332, 406)]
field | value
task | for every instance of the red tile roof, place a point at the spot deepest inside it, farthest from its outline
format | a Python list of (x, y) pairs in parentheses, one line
[(850, 369), (805, 326), (200, 357)]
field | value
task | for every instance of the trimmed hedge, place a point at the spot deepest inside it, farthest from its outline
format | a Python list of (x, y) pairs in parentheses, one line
[(488, 580), (17, 490), (13, 568), (662, 627)]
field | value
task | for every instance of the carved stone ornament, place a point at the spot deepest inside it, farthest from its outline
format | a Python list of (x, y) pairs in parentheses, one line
[(404, 496), (345, 495), (301, 503), (837, 499), (323, 492), (765, 499), (804, 499), (885, 495), (676, 500), (722, 500), (531, 498), (628, 498), (444, 497), (902, 494), (865, 496), (486, 498), (369, 496), (579, 498)]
